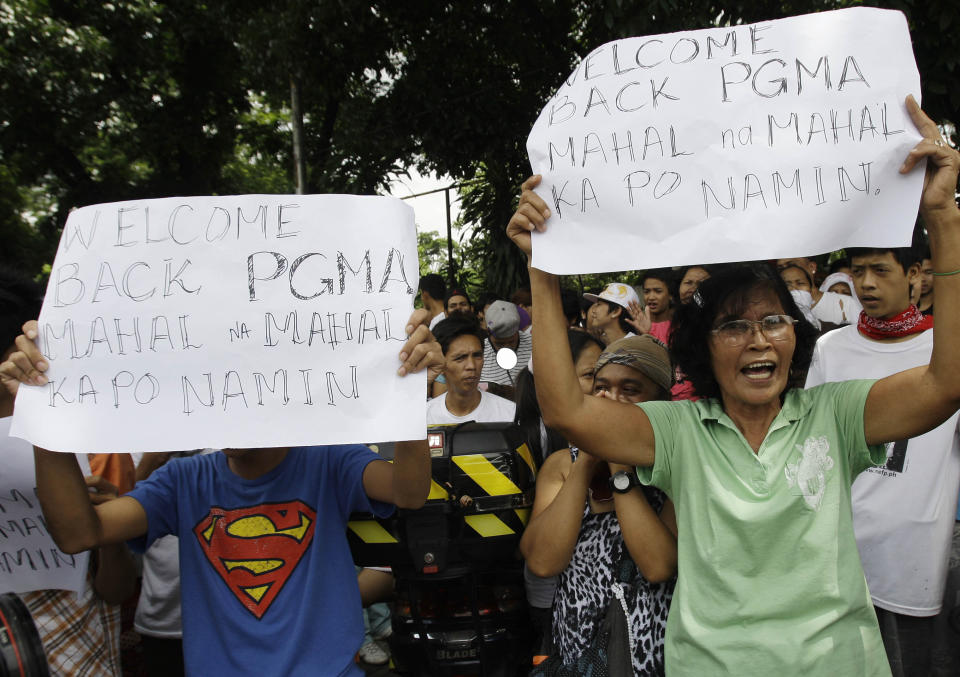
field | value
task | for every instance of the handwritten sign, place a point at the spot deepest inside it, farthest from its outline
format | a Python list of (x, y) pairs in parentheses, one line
[(242, 321), (776, 139), (29, 559)]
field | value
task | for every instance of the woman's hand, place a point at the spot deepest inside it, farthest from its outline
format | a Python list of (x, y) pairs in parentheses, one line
[(531, 215), (586, 461), (26, 364), (943, 164), (101, 490), (421, 351), (433, 372), (639, 318)]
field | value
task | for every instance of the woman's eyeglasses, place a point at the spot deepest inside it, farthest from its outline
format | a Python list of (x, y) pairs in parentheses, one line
[(736, 332)]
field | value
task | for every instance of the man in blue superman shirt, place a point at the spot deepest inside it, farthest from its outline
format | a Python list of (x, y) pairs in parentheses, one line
[(268, 583)]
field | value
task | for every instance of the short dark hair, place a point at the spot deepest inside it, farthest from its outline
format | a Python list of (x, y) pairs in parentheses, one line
[(528, 414), (570, 300), (806, 273), (580, 339), (622, 317), (728, 288), (521, 297), (455, 326), (434, 285), (20, 300), (905, 256), (665, 275), (485, 299), (837, 264), (455, 292)]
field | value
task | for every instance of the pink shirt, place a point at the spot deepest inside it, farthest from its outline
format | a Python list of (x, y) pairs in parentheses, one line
[(661, 331)]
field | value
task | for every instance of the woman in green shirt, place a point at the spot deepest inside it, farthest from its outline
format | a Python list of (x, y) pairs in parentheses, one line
[(759, 471)]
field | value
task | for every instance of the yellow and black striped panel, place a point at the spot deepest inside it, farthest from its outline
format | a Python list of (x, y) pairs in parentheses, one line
[(524, 452), (486, 475), (437, 492), (500, 523), (371, 531)]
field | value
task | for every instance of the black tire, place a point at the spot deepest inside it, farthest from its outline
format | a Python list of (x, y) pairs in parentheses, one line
[(21, 652)]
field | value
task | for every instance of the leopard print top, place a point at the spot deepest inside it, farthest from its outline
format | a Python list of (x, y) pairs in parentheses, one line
[(584, 592)]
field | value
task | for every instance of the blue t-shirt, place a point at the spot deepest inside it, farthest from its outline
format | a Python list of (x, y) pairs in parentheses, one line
[(268, 584)]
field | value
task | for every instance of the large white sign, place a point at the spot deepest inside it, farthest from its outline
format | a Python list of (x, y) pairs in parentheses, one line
[(29, 559), (782, 138), (239, 321)]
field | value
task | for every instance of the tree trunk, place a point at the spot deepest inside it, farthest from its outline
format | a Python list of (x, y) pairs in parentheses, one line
[(296, 114)]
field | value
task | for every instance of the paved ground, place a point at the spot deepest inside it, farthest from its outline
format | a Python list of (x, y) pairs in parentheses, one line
[(947, 657), (378, 670)]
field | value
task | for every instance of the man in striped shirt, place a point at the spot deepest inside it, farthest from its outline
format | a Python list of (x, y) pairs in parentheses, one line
[(503, 326)]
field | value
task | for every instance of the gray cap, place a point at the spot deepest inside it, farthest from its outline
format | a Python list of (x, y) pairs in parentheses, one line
[(502, 318), (645, 354)]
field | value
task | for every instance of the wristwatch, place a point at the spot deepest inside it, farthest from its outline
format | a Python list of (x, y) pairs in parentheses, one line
[(623, 481)]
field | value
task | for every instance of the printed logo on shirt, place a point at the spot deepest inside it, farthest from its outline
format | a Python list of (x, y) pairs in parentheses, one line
[(896, 459), (256, 549), (809, 473)]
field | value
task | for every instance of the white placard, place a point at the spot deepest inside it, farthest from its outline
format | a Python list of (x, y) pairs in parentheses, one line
[(239, 321), (29, 559), (781, 138)]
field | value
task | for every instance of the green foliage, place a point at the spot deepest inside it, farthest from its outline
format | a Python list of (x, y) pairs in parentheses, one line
[(145, 98), (474, 77), (933, 26), (111, 101), (261, 161), (341, 54), (497, 80), (433, 254)]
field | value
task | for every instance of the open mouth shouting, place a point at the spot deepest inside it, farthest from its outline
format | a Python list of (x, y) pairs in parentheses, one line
[(759, 371)]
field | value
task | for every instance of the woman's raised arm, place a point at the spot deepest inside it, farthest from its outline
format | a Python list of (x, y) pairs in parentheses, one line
[(912, 402), (612, 431)]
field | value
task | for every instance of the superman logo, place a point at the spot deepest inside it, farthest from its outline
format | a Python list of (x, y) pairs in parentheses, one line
[(255, 550)]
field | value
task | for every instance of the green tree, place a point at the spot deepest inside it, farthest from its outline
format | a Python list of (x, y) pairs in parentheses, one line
[(341, 57), (500, 64), (433, 254), (146, 98), (110, 101), (473, 79)]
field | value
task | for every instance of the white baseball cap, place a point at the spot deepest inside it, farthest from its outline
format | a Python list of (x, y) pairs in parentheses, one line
[(617, 292)]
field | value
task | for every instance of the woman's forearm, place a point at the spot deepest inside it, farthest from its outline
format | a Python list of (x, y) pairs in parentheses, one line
[(558, 390), (943, 228), (650, 542), (71, 519), (411, 473), (549, 540)]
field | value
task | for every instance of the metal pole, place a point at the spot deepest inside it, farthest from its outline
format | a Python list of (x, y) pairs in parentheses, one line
[(450, 271)]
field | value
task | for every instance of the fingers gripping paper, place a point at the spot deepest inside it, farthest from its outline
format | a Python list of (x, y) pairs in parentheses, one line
[(243, 321), (776, 139)]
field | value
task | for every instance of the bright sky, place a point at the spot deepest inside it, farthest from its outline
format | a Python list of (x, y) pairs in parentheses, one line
[(430, 210)]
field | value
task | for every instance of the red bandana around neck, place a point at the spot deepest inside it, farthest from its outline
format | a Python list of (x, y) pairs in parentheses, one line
[(910, 321)]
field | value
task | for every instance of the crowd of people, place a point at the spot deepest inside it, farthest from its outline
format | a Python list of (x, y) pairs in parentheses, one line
[(756, 464)]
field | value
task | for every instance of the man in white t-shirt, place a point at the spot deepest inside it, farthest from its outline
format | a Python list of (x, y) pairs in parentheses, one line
[(461, 339), (903, 512)]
